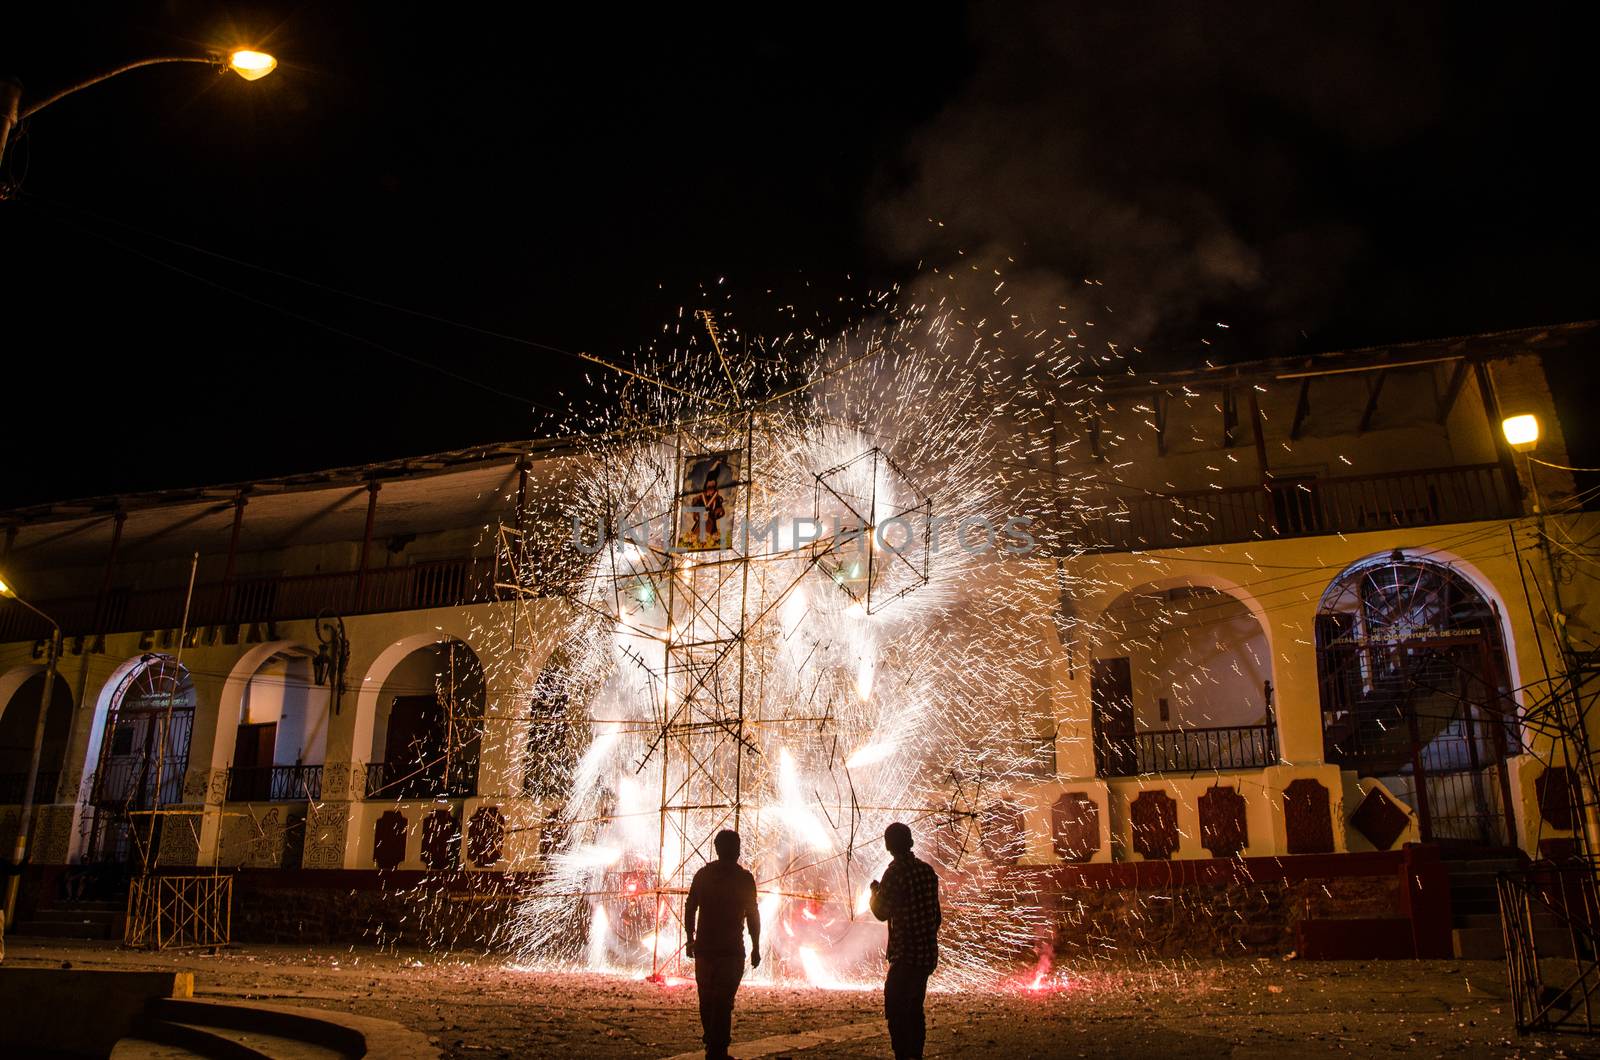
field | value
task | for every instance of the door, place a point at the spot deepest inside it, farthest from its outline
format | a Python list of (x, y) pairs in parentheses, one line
[(413, 748), (252, 763), (1111, 691)]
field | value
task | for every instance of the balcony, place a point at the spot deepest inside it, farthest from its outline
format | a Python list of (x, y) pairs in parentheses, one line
[(1187, 750), (275, 784), (1302, 507), (407, 780), (445, 583)]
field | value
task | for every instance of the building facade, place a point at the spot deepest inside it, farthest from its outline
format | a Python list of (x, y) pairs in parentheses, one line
[(1308, 607)]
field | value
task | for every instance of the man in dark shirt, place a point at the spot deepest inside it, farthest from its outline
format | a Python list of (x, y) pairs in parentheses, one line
[(722, 902), (908, 898)]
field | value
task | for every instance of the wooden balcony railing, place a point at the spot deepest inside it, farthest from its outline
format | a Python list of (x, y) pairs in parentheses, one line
[(1187, 750), (275, 784), (1301, 507), (418, 586)]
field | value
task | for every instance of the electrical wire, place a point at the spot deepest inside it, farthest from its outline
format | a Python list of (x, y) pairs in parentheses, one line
[(312, 321)]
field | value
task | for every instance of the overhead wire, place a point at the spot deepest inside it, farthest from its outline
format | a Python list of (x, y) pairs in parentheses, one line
[(312, 321)]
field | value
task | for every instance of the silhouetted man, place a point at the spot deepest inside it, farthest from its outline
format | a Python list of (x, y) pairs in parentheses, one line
[(724, 896), (908, 898)]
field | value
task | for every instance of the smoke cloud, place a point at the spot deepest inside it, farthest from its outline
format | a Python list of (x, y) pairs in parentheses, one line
[(1187, 161)]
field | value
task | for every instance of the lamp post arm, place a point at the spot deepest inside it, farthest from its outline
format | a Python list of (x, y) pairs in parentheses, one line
[(35, 108), (53, 624)]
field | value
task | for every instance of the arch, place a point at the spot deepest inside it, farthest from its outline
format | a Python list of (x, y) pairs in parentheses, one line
[(232, 700), (1415, 689), (556, 731), (1181, 679), (422, 706), (20, 690), (149, 710), (1196, 579), (371, 688)]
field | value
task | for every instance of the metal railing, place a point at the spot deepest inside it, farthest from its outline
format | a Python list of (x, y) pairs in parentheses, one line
[(44, 789), (408, 780), (275, 784), (1553, 970), (1187, 750), (132, 782), (277, 598), (1301, 507)]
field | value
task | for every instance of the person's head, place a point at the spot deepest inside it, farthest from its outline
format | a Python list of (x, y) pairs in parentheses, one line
[(727, 844), (897, 838)]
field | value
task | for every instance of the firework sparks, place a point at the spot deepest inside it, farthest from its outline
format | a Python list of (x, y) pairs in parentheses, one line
[(854, 653)]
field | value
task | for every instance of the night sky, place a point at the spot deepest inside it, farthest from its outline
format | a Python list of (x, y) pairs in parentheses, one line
[(1318, 178)]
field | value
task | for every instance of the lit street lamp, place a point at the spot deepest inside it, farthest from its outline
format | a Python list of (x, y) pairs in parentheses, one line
[(246, 62), (52, 653)]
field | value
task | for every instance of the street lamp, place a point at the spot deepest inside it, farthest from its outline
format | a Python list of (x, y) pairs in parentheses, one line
[(1522, 432), (52, 652), (248, 63)]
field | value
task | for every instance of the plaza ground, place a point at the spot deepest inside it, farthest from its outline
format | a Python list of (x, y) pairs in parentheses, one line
[(477, 1006)]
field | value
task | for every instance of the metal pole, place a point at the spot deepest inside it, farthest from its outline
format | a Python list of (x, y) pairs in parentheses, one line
[(373, 485), (20, 850), (10, 102), (1576, 730)]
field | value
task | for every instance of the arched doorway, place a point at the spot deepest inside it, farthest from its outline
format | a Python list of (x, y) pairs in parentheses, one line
[(282, 732), (1181, 681), (556, 733), (20, 692), (144, 753), (428, 730), (1415, 692)]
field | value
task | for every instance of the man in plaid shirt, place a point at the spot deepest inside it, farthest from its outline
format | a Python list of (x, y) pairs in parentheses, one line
[(908, 898)]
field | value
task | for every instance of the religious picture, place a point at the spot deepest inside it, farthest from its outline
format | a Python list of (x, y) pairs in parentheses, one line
[(706, 501)]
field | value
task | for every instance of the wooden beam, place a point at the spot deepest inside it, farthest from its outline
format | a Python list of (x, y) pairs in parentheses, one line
[(1230, 418), (1161, 425), (1260, 436), (1374, 389), (373, 486), (1448, 402), (1302, 409)]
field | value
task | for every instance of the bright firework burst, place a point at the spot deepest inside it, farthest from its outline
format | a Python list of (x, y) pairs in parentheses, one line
[(805, 608)]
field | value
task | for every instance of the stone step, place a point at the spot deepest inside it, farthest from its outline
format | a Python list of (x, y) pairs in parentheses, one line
[(1488, 944), (1541, 921), (256, 1029), (64, 929), (76, 916), (144, 1049), (85, 906), (229, 1043)]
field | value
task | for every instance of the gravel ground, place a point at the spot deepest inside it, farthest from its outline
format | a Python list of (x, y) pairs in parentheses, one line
[(477, 1006)]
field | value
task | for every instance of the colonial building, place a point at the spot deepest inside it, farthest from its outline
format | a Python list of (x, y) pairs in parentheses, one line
[(1313, 606)]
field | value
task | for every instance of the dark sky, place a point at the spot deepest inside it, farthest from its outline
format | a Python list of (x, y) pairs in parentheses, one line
[(1319, 177)]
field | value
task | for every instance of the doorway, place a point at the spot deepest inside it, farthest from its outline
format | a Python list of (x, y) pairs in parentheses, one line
[(1111, 692)]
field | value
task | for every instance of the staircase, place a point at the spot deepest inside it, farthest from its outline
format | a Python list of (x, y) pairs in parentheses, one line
[(84, 919), (1475, 908), (187, 1027)]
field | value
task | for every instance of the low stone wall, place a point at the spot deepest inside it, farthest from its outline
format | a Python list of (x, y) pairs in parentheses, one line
[(457, 911), (1228, 919), (1220, 907)]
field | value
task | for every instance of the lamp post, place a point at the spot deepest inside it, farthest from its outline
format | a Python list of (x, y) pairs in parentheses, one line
[(20, 849), (1522, 435), (248, 63)]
